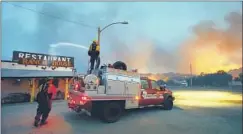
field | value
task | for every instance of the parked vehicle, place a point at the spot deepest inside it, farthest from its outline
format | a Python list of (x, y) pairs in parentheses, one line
[(59, 95), (15, 98)]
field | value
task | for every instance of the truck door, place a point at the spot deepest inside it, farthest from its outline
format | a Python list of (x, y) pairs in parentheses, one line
[(157, 93), (146, 91), (132, 89)]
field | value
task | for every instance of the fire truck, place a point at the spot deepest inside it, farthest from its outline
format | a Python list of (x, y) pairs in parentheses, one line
[(108, 92)]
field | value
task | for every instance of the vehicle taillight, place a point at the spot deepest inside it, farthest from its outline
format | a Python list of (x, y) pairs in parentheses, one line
[(76, 87), (81, 102), (136, 97), (84, 98)]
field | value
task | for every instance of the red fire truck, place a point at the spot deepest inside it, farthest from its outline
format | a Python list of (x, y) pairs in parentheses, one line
[(108, 92)]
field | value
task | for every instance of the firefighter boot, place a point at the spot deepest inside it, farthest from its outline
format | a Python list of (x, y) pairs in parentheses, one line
[(45, 116), (37, 117), (37, 120)]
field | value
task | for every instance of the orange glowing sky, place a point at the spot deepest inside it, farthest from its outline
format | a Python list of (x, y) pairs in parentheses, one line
[(210, 60)]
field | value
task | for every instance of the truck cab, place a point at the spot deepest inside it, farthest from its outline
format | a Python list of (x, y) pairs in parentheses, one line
[(152, 94), (108, 92)]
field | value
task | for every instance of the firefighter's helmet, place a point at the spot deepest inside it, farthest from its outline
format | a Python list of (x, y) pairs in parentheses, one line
[(49, 79), (95, 41)]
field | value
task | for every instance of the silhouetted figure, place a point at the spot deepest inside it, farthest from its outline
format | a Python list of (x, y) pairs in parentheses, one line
[(44, 100), (94, 52)]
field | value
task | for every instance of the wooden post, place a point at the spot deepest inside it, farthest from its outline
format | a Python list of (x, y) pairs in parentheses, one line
[(32, 97), (66, 89)]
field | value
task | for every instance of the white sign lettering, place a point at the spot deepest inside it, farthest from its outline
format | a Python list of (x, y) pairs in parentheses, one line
[(145, 95), (21, 55), (42, 59)]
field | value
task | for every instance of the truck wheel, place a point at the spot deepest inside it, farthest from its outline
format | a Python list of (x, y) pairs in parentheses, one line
[(95, 114), (95, 111), (168, 104), (111, 112)]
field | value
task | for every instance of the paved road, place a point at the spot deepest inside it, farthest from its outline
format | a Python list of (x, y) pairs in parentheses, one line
[(18, 119)]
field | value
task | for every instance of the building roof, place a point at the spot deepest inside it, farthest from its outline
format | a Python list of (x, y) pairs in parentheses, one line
[(18, 73)]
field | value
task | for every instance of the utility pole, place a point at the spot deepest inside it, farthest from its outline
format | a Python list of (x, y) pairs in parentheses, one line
[(191, 73), (99, 31)]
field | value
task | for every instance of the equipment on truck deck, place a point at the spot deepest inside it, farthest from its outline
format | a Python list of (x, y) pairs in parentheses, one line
[(109, 91)]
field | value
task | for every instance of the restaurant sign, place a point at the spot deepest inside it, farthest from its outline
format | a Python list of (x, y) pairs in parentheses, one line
[(27, 58)]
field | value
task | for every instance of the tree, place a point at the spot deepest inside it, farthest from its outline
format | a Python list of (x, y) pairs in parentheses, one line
[(221, 72), (202, 74), (220, 78), (161, 82)]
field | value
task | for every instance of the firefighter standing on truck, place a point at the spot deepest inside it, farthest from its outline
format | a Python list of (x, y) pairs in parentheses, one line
[(44, 100), (94, 52)]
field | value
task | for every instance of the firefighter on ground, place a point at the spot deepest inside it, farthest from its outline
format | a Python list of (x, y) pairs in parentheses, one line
[(44, 100), (94, 52)]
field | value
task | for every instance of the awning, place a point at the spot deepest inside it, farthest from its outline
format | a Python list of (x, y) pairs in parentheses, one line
[(18, 73)]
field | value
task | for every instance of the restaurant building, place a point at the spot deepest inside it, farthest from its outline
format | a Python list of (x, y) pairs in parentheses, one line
[(26, 71)]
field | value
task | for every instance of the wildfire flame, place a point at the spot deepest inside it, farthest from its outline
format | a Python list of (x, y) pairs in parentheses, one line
[(210, 60), (157, 77)]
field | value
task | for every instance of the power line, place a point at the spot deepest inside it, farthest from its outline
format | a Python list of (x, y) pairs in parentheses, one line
[(52, 16)]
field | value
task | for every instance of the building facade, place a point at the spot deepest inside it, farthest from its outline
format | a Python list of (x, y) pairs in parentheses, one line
[(25, 72)]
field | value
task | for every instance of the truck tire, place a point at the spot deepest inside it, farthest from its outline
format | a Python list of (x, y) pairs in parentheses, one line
[(95, 111), (168, 104), (111, 112), (120, 65), (95, 114)]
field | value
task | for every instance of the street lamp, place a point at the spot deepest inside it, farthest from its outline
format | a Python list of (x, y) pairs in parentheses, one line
[(100, 30)]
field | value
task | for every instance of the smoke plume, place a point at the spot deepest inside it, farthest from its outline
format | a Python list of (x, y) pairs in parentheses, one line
[(209, 50), (142, 54), (213, 48)]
